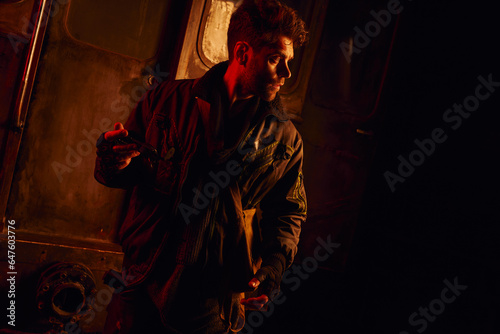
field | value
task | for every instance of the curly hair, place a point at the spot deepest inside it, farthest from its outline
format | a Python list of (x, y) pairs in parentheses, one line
[(261, 22)]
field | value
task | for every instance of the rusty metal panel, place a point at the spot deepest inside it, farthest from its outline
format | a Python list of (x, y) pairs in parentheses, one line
[(134, 29), (81, 92), (340, 118), (33, 255), (61, 213), (20, 51), (16, 16)]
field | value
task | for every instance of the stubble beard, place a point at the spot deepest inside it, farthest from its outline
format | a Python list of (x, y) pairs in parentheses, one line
[(256, 83)]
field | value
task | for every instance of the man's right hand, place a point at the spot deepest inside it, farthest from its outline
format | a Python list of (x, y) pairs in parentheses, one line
[(118, 156)]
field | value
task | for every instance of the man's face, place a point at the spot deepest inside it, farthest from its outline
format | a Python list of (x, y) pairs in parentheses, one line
[(268, 68)]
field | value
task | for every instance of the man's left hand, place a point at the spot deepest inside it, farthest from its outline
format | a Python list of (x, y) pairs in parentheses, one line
[(255, 303), (266, 281)]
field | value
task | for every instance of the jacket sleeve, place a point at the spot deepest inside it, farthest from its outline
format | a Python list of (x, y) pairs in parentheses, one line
[(134, 172), (284, 210)]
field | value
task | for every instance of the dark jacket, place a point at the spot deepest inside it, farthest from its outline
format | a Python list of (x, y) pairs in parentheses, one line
[(205, 191)]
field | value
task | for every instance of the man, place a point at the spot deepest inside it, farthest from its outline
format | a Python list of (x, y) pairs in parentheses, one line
[(224, 195)]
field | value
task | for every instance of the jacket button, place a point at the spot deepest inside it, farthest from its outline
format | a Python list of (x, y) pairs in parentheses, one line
[(170, 154)]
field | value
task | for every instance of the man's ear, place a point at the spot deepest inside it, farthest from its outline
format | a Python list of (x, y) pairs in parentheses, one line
[(241, 52)]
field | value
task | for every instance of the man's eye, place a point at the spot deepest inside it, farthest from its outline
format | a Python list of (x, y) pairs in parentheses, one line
[(274, 60)]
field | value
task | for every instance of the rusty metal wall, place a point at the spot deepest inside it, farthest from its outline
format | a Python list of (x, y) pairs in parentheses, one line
[(61, 213), (340, 120), (81, 92)]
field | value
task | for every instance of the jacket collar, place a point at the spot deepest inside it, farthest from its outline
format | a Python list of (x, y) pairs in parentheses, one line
[(204, 88)]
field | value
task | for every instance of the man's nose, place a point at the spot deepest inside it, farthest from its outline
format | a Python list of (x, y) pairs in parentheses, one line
[(284, 71)]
